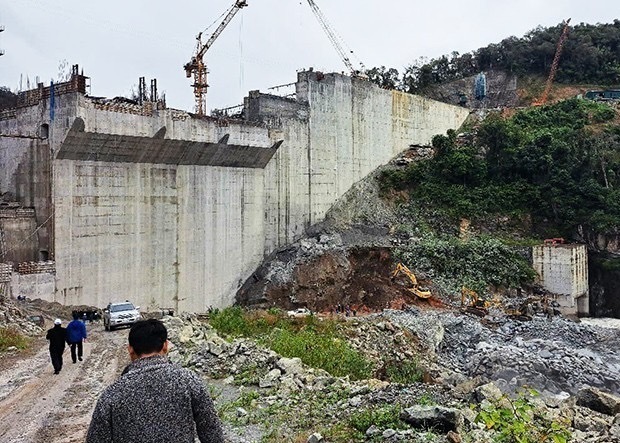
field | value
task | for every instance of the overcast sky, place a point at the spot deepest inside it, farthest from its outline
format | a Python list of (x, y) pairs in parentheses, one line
[(116, 42)]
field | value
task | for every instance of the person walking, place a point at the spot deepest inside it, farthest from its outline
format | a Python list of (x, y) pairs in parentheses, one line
[(76, 334), (57, 337), (154, 400)]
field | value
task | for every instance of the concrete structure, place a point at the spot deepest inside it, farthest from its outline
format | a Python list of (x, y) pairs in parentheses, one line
[(140, 202), (563, 270)]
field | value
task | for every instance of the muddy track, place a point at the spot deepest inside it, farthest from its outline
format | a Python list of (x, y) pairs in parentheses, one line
[(37, 406)]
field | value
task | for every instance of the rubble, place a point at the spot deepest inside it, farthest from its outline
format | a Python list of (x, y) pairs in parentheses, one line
[(456, 348)]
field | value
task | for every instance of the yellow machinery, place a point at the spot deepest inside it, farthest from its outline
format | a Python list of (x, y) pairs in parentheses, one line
[(419, 292)]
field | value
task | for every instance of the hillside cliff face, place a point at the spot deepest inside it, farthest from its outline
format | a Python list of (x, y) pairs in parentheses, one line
[(500, 91)]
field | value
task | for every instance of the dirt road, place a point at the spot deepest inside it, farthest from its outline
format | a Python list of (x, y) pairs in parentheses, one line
[(37, 406)]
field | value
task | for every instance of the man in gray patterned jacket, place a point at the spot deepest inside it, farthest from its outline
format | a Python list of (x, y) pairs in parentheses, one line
[(154, 400)]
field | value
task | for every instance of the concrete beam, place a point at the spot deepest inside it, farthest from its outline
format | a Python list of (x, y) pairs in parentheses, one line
[(94, 146)]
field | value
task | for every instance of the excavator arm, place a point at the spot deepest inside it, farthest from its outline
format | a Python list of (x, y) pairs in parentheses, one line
[(419, 292)]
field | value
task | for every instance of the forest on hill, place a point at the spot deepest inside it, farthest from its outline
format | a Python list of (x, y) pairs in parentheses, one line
[(591, 55)]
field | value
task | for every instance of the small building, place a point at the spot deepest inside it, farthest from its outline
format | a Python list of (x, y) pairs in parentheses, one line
[(563, 270)]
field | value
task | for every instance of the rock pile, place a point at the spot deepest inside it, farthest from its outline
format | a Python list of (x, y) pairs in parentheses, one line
[(552, 355), (14, 316), (462, 353)]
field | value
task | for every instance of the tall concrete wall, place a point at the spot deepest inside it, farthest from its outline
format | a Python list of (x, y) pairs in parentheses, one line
[(563, 270), (167, 210), (347, 129)]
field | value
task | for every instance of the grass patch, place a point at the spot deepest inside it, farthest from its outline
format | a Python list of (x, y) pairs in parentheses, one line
[(320, 350), (383, 418), (318, 343), (10, 337)]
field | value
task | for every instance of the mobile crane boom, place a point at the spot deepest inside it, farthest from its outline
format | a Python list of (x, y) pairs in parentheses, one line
[(196, 65)]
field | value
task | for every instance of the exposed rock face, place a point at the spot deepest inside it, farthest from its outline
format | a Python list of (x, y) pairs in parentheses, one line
[(604, 272)]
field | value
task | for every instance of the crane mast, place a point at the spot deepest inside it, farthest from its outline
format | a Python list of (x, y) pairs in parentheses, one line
[(554, 65), (196, 66), (332, 36)]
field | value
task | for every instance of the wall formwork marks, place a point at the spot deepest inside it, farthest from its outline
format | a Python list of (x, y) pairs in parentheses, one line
[(163, 228)]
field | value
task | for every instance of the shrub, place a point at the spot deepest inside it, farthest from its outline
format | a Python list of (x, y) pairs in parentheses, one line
[(520, 421), (10, 337), (403, 372)]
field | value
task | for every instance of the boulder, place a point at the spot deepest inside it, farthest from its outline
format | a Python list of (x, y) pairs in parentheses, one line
[(290, 365), (598, 401), (315, 438), (437, 418)]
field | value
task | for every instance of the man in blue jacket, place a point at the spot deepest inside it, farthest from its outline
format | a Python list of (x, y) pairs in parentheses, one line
[(76, 333)]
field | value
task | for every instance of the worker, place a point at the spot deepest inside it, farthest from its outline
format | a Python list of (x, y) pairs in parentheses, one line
[(76, 335), (57, 337), (154, 400)]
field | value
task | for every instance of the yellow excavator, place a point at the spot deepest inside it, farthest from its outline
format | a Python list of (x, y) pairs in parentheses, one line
[(419, 292), (472, 303)]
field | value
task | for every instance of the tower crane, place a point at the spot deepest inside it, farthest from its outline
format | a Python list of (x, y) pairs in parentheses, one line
[(333, 38), (196, 66), (554, 66)]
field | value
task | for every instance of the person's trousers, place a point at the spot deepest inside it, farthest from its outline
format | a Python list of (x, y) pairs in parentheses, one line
[(56, 360), (79, 351)]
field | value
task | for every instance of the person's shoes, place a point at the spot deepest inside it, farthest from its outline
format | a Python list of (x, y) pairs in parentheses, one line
[(56, 372), (74, 361), (80, 358)]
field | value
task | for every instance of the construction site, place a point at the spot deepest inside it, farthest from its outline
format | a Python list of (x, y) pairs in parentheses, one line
[(282, 245), (117, 198)]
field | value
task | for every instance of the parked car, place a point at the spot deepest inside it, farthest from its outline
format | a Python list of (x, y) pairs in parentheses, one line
[(299, 312), (120, 314)]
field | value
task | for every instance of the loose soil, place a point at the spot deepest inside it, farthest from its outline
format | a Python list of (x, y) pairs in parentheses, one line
[(37, 406)]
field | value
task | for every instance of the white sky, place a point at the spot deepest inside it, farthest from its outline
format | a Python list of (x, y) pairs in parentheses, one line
[(116, 42)]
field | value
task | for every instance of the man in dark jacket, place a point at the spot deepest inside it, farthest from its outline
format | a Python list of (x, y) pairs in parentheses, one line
[(57, 337), (76, 332), (154, 400)]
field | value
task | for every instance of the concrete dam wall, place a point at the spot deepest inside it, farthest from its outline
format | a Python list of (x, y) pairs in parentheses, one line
[(165, 209)]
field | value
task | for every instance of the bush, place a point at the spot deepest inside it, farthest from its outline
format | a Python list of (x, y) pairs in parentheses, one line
[(403, 372), (520, 421), (10, 337), (477, 263)]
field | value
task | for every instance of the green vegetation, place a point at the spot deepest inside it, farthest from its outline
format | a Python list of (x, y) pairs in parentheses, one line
[(384, 417), (403, 372), (476, 264), (318, 343), (545, 162), (589, 56), (546, 172), (520, 421), (10, 337), (321, 349)]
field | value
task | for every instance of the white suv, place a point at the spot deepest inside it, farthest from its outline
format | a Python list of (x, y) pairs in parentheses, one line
[(120, 314)]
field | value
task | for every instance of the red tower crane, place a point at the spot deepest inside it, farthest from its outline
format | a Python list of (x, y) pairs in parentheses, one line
[(554, 66)]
